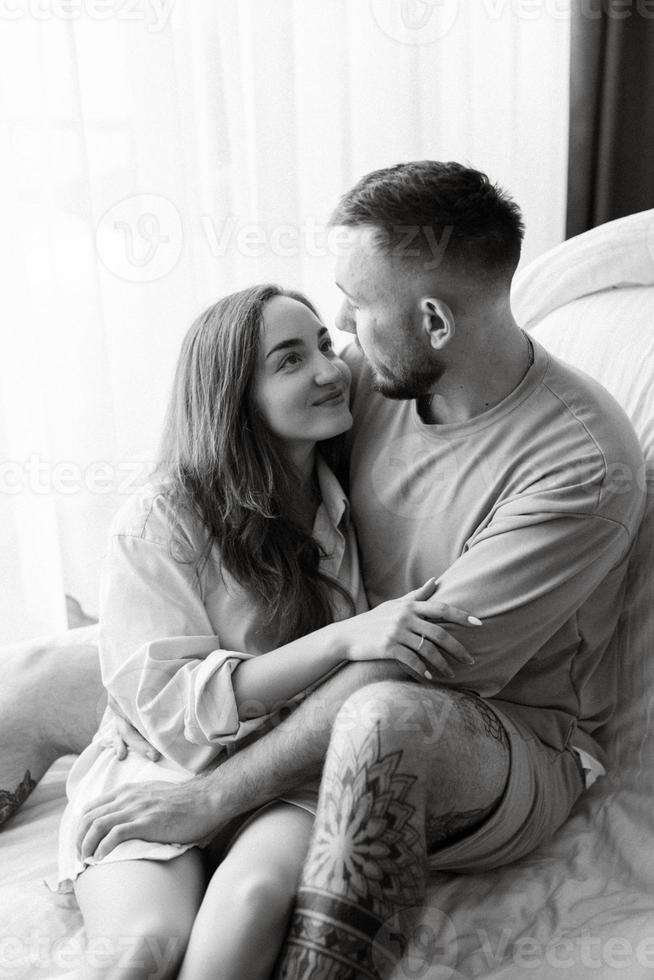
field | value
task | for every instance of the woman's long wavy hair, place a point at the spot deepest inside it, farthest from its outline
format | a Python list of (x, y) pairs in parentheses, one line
[(218, 459)]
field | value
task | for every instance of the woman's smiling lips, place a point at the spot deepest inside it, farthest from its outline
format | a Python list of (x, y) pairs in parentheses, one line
[(335, 397)]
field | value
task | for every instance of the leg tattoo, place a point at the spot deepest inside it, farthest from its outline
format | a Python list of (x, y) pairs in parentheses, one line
[(477, 715), (366, 861), (447, 828), (479, 722)]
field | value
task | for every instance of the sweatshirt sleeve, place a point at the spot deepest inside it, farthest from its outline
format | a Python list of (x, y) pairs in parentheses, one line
[(161, 658), (526, 574)]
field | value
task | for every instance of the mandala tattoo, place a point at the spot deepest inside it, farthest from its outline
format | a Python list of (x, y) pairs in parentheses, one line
[(366, 860), (475, 710), (448, 828), (10, 802)]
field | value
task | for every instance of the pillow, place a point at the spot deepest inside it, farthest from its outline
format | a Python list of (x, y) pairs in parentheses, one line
[(619, 253), (590, 301), (46, 688)]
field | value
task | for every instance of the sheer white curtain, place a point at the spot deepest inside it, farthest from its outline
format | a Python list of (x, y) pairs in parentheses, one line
[(156, 156)]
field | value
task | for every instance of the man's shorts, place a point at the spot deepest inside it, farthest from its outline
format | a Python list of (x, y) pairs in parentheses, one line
[(542, 786)]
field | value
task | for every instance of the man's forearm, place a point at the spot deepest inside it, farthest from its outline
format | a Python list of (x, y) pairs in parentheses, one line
[(292, 753), (284, 758)]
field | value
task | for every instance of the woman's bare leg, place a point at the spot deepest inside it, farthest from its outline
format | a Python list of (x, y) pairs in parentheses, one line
[(138, 916), (241, 925)]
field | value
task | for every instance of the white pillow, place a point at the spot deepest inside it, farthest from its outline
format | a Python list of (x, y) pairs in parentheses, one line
[(595, 318), (610, 335)]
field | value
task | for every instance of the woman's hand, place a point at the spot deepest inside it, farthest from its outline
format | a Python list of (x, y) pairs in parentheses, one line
[(406, 630), (125, 737)]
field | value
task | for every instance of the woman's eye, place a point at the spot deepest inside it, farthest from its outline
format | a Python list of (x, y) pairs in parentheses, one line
[(291, 359), (327, 345)]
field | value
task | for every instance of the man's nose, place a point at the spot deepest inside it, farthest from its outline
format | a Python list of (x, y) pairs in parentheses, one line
[(345, 319)]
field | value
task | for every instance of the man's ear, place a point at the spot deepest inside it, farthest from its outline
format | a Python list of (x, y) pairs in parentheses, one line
[(437, 321)]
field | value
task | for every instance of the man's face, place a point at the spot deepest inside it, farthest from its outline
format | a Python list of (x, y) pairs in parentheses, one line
[(381, 307)]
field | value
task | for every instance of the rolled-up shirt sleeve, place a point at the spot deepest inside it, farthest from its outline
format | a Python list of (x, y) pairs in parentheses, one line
[(161, 657)]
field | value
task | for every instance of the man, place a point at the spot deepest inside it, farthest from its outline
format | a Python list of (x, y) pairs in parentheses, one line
[(480, 460)]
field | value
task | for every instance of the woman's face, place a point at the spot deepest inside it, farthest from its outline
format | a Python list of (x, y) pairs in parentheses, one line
[(301, 386)]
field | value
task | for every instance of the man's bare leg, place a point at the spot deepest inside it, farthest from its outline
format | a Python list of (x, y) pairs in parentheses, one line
[(52, 697), (407, 767)]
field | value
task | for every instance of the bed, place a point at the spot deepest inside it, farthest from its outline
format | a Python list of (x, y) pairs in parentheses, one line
[(582, 905)]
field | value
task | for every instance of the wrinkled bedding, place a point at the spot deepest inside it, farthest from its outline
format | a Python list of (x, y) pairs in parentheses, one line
[(37, 938), (583, 904)]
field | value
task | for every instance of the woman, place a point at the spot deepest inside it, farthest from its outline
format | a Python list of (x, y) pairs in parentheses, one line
[(227, 591)]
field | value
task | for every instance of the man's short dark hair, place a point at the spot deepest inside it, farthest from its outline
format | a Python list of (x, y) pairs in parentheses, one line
[(433, 211)]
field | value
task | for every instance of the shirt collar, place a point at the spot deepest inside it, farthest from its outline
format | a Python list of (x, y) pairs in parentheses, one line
[(333, 496)]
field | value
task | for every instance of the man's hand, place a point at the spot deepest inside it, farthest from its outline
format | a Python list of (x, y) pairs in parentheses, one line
[(170, 813)]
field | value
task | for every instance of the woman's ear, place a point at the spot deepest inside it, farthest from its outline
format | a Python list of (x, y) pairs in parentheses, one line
[(437, 321)]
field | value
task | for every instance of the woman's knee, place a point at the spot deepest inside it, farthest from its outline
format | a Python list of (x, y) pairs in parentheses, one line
[(266, 891)]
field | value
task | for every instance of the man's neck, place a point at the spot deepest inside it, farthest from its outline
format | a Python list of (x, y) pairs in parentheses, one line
[(483, 380)]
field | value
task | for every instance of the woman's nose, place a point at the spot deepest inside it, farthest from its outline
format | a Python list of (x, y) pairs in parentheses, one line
[(327, 370)]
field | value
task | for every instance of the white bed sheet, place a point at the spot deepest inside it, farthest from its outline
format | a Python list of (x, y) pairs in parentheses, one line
[(38, 938)]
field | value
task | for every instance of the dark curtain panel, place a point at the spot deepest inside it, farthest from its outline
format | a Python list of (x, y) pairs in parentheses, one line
[(611, 164)]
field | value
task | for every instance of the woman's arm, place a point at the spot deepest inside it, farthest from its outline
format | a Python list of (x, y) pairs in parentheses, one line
[(402, 630)]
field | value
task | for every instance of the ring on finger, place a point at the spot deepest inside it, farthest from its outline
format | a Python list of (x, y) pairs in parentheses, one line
[(422, 640)]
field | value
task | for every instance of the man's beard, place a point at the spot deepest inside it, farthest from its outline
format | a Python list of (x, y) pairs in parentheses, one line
[(411, 382)]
